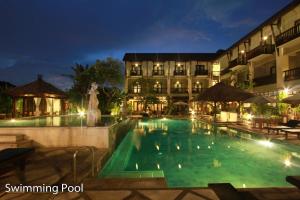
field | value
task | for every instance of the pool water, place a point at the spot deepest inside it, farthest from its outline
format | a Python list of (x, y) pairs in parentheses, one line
[(192, 154), (59, 121)]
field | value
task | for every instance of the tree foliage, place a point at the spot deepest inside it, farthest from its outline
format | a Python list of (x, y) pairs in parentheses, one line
[(108, 74)]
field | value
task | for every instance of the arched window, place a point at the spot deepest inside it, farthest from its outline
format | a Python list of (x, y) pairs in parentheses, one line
[(197, 86), (137, 88), (158, 69), (157, 87), (177, 85)]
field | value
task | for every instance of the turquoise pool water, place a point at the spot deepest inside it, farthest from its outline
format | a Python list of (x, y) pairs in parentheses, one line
[(192, 154), (56, 121)]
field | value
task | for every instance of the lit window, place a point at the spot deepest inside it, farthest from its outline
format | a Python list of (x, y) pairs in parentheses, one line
[(137, 88)]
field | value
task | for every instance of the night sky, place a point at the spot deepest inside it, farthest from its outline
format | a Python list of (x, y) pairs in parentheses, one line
[(48, 36)]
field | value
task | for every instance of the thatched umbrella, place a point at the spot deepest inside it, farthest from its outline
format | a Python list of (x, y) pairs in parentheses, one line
[(295, 99), (224, 93), (260, 100), (180, 103)]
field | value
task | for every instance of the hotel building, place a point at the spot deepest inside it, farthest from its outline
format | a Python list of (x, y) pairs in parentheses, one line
[(266, 61)]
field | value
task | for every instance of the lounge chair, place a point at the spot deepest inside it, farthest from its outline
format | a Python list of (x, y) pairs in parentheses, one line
[(292, 131), (290, 124), (14, 158), (226, 191), (294, 180)]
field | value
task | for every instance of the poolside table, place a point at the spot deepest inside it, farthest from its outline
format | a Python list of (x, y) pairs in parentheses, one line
[(277, 128), (292, 131)]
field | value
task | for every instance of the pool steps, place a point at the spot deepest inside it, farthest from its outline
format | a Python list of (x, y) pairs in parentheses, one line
[(14, 141)]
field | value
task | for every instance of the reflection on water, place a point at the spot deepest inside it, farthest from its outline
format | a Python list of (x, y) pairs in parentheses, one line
[(193, 153)]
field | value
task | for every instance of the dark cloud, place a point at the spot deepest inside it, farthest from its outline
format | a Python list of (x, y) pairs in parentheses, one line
[(49, 36)]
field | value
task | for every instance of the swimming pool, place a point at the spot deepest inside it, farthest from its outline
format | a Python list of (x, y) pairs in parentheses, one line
[(192, 154)]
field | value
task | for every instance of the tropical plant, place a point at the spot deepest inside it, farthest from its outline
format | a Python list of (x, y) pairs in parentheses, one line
[(106, 73), (282, 107)]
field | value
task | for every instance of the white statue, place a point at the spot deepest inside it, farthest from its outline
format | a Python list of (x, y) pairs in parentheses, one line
[(93, 112)]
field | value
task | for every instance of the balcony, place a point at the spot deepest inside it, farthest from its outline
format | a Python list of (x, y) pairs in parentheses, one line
[(158, 72), (288, 35), (134, 91), (136, 72), (179, 72), (159, 90), (198, 90), (292, 74), (265, 80), (260, 52), (201, 72), (237, 63), (225, 71), (179, 90)]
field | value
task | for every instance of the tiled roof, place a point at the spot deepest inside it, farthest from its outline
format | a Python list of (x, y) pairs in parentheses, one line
[(169, 56)]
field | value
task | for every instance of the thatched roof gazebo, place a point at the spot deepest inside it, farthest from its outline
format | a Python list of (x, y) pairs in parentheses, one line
[(37, 98), (223, 93)]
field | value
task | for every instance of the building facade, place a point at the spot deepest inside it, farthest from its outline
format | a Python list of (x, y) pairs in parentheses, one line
[(172, 77), (265, 61)]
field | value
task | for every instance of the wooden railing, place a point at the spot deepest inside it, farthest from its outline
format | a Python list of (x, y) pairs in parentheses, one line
[(292, 74), (265, 80), (288, 35), (198, 90), (179, 90), (236, 62), (136, 72), (262, 49), (201, 72), (179, 72), (159, 90), (158, 72)]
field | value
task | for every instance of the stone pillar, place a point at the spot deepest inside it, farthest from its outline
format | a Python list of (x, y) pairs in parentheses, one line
[(282, 64), (190, 87), (169, 85), (251, 73)]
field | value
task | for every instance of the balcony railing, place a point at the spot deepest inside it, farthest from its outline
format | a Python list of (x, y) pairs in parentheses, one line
[(159, 90), (225, 71), (179, 72), (288, 35), (136, 72), (158, 72), (265, 80), (236, 62), (201, 72), (198, 90), (263, 49), (179, 90), (292, 74), (134, 91)]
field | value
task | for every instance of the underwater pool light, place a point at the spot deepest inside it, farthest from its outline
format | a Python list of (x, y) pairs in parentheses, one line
[(266, 143), (287, 162)]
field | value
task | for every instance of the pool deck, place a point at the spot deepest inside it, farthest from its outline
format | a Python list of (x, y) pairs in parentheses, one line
[(263, 132)]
